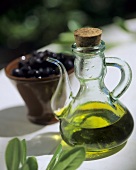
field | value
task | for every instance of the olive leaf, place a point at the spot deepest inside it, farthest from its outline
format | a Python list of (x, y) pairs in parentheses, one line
[(121, 23), (71, 159), (25, 167), (55, 158), (32, 163), (12, 154), (23, 151), (16, 157)]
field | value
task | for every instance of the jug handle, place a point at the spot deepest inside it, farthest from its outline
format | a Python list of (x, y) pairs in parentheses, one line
[(126, 75)]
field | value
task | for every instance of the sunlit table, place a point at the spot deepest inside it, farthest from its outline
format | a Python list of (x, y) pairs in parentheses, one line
[(41, 140)]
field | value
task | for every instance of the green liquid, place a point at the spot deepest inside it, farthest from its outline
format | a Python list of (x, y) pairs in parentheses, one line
[(102, 129)]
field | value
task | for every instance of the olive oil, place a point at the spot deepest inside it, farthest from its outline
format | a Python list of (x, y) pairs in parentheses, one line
[(103, 129)]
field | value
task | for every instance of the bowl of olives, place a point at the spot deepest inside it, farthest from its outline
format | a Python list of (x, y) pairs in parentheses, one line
[(36, 81)]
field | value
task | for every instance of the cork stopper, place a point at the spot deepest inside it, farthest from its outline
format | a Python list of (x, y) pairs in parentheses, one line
[(85, 37)]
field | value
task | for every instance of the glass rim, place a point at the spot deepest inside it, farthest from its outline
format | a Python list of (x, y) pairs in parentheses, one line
[(89, 49)]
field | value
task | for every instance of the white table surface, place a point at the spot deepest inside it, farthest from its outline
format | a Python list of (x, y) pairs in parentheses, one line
[(13, 111)]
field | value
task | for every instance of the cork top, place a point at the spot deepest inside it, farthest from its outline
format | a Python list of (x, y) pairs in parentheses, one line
[(86, 37)]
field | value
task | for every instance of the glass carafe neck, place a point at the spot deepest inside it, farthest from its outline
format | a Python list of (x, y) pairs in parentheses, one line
[(89, 62)]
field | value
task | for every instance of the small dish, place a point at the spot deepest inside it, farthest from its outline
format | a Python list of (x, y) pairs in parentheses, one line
[(36, 92)]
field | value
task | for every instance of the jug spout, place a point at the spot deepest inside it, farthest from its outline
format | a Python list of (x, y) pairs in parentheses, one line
[(63, 94)]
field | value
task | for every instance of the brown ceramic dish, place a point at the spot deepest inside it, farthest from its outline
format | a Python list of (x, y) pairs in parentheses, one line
[(36, 93)]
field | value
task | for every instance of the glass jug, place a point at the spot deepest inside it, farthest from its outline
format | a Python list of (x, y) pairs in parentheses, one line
[(94, 117)]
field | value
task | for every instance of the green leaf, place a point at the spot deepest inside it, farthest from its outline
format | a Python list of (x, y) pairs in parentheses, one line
[(23, 151), (32, 163), (121, 23), (25, 167), (71, 159), (12, 154), (55, 158)]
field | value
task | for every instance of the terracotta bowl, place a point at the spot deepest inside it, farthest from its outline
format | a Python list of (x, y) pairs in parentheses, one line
[(36, 94)]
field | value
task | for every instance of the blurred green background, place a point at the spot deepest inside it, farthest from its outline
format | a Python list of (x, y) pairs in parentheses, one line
[(29, 25)]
